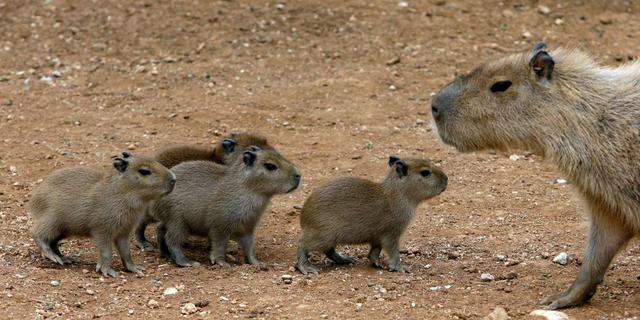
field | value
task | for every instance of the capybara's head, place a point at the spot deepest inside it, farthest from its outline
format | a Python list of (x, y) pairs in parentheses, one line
[(269, 173), (418, 179), (230, 147), (144, 176), (503, 103)]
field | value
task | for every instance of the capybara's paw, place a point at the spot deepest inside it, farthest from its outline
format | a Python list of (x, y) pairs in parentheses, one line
[(307, 268), (145, 245), (570, 298)]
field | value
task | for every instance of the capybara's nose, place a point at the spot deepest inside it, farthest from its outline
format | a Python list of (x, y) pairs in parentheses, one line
[(442, 102)]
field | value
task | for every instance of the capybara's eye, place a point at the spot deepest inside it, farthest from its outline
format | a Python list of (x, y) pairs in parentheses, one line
[(501, 86), (270, 166), (144, 172), (425, 172)]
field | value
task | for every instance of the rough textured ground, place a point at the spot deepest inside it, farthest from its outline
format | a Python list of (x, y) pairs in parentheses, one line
[(337, 86)]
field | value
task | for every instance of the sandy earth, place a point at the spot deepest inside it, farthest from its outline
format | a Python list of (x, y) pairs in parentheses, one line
[(337, 86)]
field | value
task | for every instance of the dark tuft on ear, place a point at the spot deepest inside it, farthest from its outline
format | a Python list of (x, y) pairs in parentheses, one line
[(249, 157), (541, 62), (401, 168), (393, 159), (228, 145), (254, 148), (120, 164), (126, 154)]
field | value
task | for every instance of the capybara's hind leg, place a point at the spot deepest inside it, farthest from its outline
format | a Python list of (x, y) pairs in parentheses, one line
[(337, 258), (374, 255), (606, 237), (304, 265), (54, 247)]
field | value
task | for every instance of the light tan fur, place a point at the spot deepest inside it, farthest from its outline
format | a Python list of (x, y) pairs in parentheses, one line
[(222, 203), (105, 206), (225, 151), (585, 118), (353, 210)]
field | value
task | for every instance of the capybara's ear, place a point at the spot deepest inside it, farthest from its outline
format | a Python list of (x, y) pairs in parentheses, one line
[(401, 168), (126, 154), (120, 164), (228, 145), (541, 62), (254, 148), (393, 159), (249, 157)]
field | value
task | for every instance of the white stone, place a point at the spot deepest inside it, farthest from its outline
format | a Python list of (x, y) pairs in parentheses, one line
[(561, 181), (549, 314), (486, 277), (544, 10), (153, 304), (514, 157), (169, 291), (55, 283), (562, 258), (189, 308)]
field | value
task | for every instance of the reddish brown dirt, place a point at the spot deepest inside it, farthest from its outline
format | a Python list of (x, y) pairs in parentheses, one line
[(315, 77)]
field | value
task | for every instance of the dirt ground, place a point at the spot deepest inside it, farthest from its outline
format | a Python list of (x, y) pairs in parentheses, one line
[(337, 86)]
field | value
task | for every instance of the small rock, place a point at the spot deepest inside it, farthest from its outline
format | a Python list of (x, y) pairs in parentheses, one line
[(561, 181), (358, 306), (153, 304), (130, 311), (559, 21), (356, 157), (549, 314), (382, 290), (202, 304), (169, 291), (440, 288), (606, 20), (393, 88), (297, 207), (403, 4), (287, 278), (90, 292), (544, 10), (55, 283), (486, 277), (189, 308), (514, 157), (507, 13), (501, 257), (562, 259), (393, 61), (453, 255), (497, 314), (527, 35)]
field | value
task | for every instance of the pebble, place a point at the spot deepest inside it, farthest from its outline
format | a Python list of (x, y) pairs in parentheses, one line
[(153, 304), (189, 308), (440, 288), (55, 283), (486, 277), (297, 207), (549, 314), (561, 181), (497, 314), (559, 21), (90, 292), (527, 35), (562, 258), (287, 278), (169, 291), (403, 4), (393, 88), (392, 61), (501, 257), (544, 10), (514, 157)]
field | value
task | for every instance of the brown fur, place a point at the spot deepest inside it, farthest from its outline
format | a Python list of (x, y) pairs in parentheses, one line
[(220, 153), (221, 203), (584, 117), (355, 211), (84, 202)]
